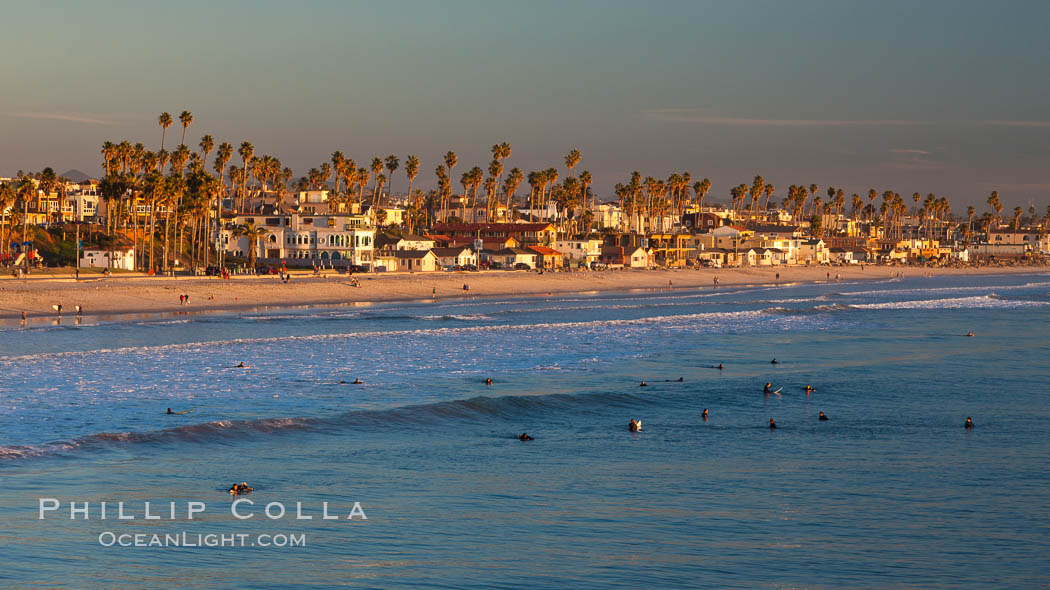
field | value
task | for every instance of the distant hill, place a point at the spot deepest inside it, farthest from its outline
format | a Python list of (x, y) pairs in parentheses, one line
[(75, 175)]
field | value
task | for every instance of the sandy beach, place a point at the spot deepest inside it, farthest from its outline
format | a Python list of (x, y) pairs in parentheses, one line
[(130, 294)]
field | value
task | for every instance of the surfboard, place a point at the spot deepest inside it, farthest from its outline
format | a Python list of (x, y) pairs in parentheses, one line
[(183, 412)]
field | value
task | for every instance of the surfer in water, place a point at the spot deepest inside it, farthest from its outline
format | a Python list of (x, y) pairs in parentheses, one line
[(704, 414), (524, 436), (643, 384), (357, 382), (768, 388), (719, 367), (822, 416), (635, 426), (772, 424), (969, 334), (488, 381), (169, 411), (240, 488), (774, 361), (969, 422), (241, 365), (809, 388)]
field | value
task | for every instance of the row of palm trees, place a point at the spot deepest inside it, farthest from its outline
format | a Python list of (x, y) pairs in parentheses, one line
[(170, 197)]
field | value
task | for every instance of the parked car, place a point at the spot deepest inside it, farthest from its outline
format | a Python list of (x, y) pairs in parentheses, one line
[(522, 266)]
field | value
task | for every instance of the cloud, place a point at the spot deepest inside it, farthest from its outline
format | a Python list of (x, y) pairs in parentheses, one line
[(699, 117), (1020, 187), (73, 117), (1019, 123), (915, 159)]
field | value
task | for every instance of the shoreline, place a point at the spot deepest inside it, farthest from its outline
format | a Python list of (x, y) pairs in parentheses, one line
[(128, 295)]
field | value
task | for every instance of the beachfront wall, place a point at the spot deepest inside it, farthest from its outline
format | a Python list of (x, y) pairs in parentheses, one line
[(1037, 241), (986, 251)]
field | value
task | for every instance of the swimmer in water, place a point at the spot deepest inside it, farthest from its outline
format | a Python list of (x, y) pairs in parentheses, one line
[(822, 416), (524, 436), (643, 384), (772, 424), (704, 414), (969, 423), (768, 388)]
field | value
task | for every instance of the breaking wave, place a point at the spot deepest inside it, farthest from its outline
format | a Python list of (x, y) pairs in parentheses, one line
[(473, 410)]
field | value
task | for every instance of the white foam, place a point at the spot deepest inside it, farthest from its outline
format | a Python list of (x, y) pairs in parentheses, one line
[(976, 302)]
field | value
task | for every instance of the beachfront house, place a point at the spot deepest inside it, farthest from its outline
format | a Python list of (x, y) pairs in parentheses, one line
[(312, 240), (1033, 240), (121, 258), (396, 241), (580, 250), (547, 257), (626, 256), (813, 252), (527, 234), (458, 257), (511, 257), (415, 261)]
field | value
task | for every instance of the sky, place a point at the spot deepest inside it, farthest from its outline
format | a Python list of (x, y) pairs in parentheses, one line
[(918, 96)]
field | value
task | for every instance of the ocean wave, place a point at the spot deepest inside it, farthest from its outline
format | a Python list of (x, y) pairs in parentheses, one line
[(920, 291), (471, 317), (662, 319), (476, 409), (976, 302)]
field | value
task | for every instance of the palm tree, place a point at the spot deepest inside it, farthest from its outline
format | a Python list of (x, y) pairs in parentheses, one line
[(377, 169), (206, 145), (993, 202), (411, 171), (451, 159), (247, 152), (585, 183), (1017, 217), (970, 212), (392, 164), (338, 162), (571, 160), (511, 184), (7, 200), (164, 120), (701, 188), (253, 233), (185, 118)]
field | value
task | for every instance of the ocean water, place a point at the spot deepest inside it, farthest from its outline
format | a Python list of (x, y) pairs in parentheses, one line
[(892, 491)]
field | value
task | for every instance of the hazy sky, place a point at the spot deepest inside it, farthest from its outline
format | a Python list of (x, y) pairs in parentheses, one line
[(945, 97)]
